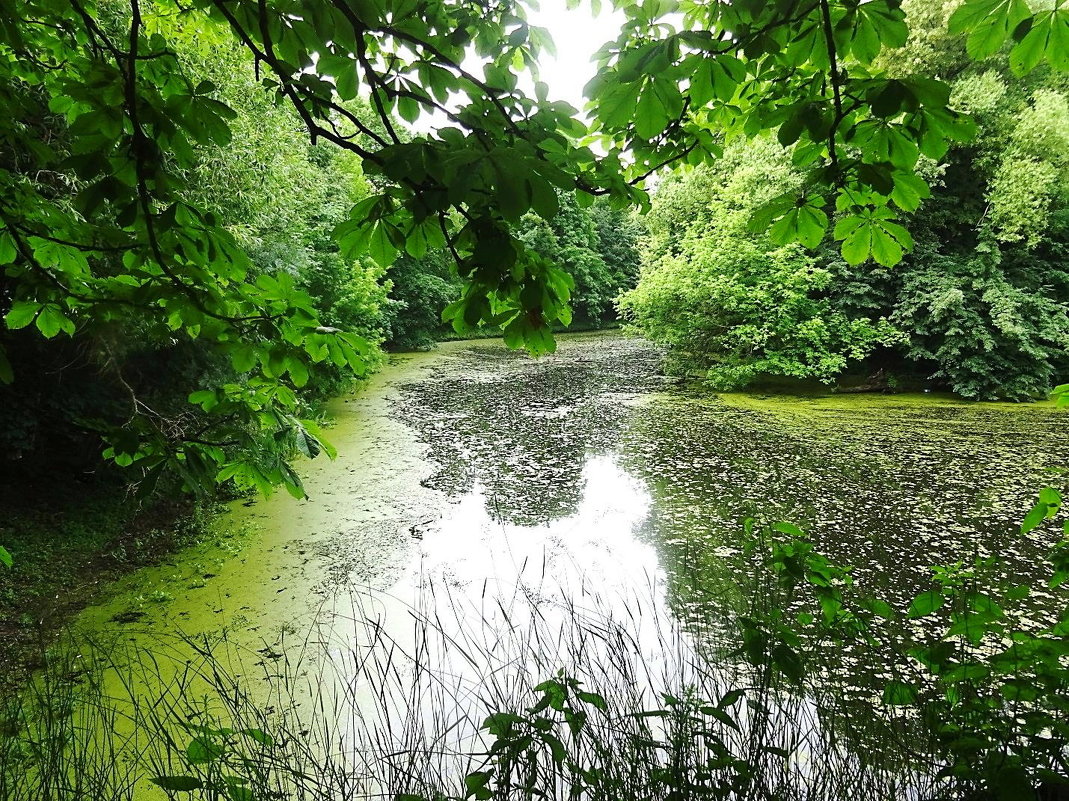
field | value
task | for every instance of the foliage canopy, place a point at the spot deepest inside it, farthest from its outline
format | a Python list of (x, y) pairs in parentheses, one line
[(980, 303)]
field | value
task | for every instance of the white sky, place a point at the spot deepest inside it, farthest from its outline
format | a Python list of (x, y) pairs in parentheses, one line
[(577, 34)]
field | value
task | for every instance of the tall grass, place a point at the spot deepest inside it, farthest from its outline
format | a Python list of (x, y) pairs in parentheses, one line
[(448, 706)]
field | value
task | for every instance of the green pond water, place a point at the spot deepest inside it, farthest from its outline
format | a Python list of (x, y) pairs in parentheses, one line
[(589, 473), (472, 459)]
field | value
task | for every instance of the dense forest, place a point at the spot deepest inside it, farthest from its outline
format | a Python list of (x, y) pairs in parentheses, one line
[(980, 304), (977, 305), (70, 379), (202, 240)]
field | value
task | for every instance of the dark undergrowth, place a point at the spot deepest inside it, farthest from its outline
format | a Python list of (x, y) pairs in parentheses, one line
[(69, 539)]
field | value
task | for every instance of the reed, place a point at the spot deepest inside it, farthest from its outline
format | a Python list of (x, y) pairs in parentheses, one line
[(511, 694)]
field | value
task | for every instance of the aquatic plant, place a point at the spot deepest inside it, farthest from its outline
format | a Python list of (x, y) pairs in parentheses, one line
[(514, 696)]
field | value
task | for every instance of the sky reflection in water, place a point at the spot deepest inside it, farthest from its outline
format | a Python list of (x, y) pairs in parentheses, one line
[(595, 545)]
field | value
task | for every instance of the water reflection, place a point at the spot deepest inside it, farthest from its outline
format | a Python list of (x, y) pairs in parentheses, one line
[(891, 485), (593, 549), (519, 429), (587, 469)]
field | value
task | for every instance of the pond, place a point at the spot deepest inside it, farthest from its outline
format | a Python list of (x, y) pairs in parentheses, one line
[(587, 479), (474, 458), (593, 448)]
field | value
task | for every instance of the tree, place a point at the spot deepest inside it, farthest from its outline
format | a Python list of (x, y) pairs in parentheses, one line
[(979, 305), (730, 303), (983, 297), (100, 228), (139, 339), (421, 289), (597, 246), (619, 234)]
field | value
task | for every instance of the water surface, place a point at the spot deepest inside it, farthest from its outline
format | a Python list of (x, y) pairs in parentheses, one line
[(478, 464), (593, 445)]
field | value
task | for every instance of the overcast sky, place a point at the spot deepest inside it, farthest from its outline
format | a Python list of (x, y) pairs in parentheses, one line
[(577, 35)]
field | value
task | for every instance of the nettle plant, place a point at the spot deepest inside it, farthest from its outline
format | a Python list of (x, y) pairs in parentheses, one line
[(224, 763), (990, 677)]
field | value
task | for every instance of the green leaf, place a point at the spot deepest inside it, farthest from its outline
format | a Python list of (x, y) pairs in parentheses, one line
[(202, 750), (5, 557), (475, 784), (987, 23), (788, 528), (720, 715), (617, 105), (857, 244), (1036, 515), (885, 248), (791, 129), (380, 247), (701, 87), (898, 693), (881, 609), (974, 13), (556, 747), (179, 784), (343, 70), (312, 430), (1050, 496), (408, 107), (259, 735), (872, 233), (787, 660), (22, 313), (207, 399), (243, 358), (593, 699), (731, 697), (1058, 45), (8, 251), (985, 40), (51, 320), (770, 211), (1027, 53), (298, 371), (926, 603), (805, 224), (812, 223), (909, 190), (966, 673), (544, 199), (650, 114), (1020, 592), (513, 190)]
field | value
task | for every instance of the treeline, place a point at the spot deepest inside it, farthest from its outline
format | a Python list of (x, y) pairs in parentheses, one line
[(129, 376), (598, 246), (979, 305)]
